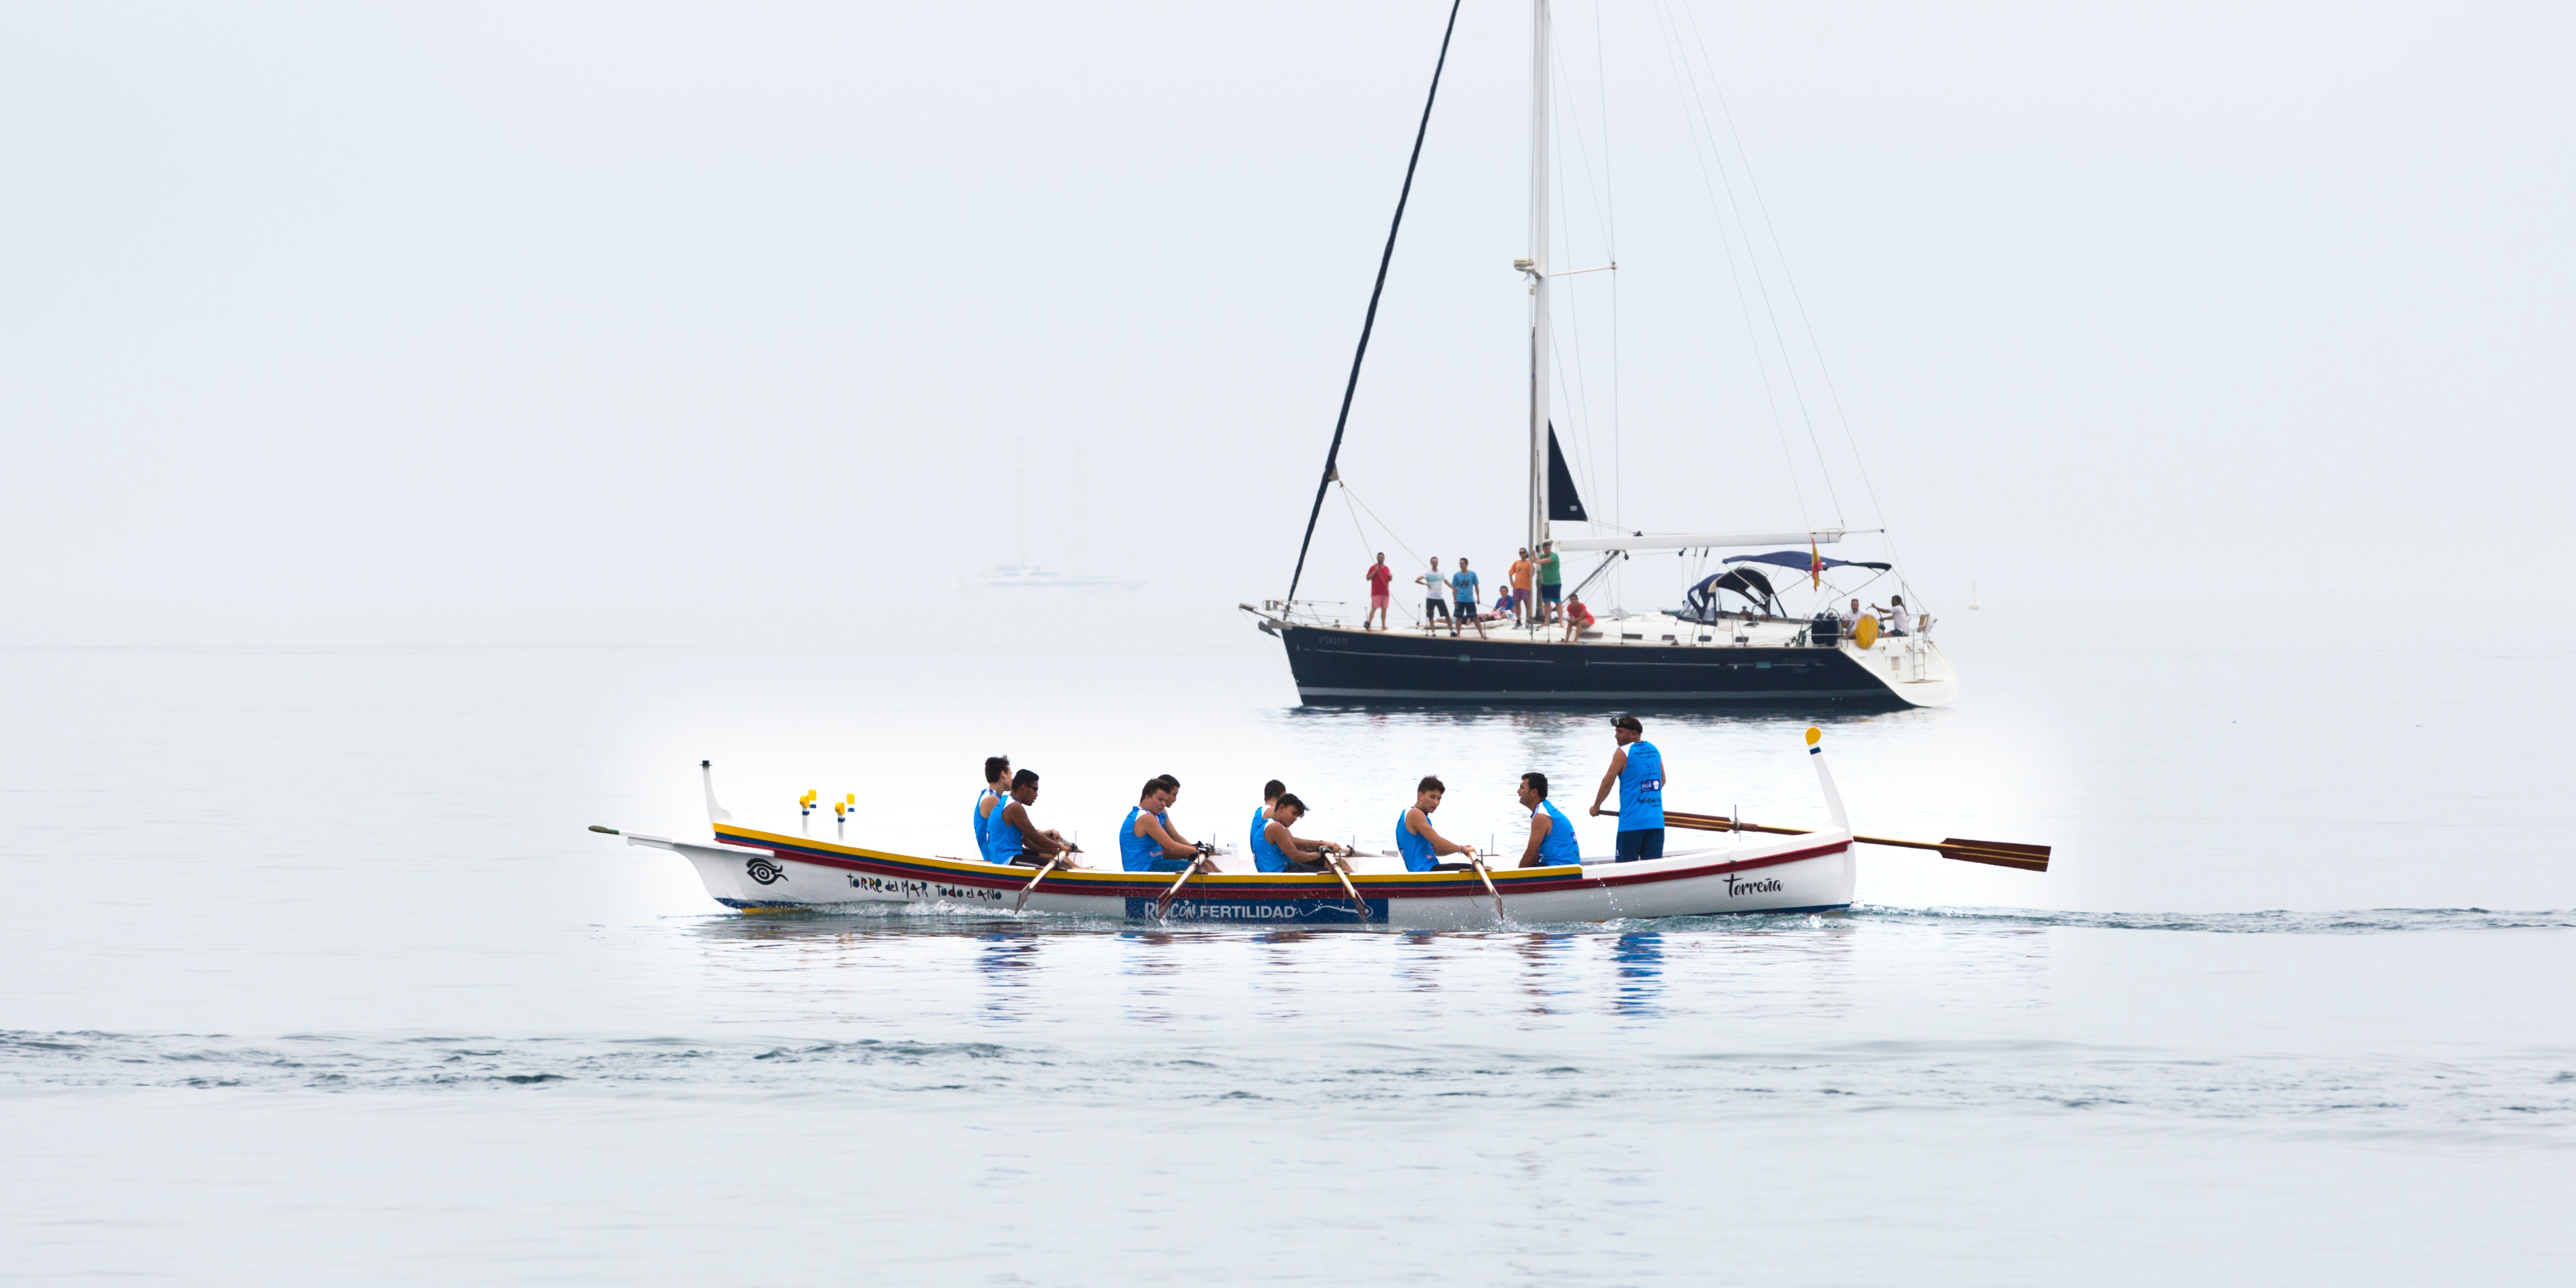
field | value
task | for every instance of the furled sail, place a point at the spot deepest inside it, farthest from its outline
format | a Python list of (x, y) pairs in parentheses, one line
[(1562, 503)]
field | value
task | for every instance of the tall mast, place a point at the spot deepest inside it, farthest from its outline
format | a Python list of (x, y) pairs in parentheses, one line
[(1536, 267)]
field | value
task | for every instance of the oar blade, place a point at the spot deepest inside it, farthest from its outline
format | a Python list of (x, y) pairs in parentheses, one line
[(2026, 858), (2009, 847)]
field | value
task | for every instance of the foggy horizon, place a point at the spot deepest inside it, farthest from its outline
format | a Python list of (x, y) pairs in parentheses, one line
[(587, 325)]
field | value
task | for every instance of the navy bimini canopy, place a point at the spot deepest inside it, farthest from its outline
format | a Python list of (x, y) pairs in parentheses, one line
[(1798, 560), (1753, 586), (1756, 589)]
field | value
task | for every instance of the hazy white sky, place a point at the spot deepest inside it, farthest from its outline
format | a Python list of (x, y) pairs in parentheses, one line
[(572, 323)]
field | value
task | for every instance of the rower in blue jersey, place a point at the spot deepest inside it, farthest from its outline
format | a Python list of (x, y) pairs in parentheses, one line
[(1270, 793), (1637, 770), (1415, 838), (1551, 842), (1016, 838), (997, 784), (1277, 849), (1146, 841)]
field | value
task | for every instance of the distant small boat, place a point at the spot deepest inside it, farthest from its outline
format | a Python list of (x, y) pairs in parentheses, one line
[(1030, 576)]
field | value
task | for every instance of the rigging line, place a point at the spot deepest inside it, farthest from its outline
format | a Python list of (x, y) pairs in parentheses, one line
[(1350, 499), (1592, 185), (1610, 240), (1761, 282), (1382, 524), (1581, 403), (1761, 361), (1333, 455), (1573, 297), (1805, 320), (1353, 511), (1556, 355)]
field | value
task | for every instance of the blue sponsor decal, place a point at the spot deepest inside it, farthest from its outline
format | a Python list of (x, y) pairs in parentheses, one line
[(1245, 911)]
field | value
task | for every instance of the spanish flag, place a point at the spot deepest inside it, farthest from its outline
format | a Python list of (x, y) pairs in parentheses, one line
[(1815, 565)]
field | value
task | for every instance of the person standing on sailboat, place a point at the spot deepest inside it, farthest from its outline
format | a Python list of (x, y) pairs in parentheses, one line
[(997, 785), (1466, 584), (1379, 578), (1146, 842), (1551, 580), (1415, 839), (1637, 770), (1435, 591), (1016, 837), (1520, 573)]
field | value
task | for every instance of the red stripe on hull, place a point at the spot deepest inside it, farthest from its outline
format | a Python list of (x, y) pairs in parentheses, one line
[(1152, 885)]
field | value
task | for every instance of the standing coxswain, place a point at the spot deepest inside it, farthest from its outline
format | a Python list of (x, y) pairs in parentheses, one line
[(1415, 839), (1637, 770), (1551, 841)]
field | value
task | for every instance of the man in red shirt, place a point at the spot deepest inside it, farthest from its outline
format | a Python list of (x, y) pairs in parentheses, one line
[(1379, 577), (1576, 618)]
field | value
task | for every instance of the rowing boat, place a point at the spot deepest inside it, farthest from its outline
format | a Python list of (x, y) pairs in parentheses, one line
[(754, 870)]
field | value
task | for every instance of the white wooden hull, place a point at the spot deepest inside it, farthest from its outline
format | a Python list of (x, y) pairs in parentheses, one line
[(1809, 872), (763, 871)]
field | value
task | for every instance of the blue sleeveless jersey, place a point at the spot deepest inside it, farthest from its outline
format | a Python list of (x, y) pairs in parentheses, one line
[(1265, 856), (1004, 841), (1559, 847), (1641, 789), (1137, 853), (1418, 856), (1260, 819), (983, 824)]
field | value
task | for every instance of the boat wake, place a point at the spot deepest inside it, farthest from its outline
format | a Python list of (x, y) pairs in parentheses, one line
[(2372, 1096), (2277, 921), (931, 918)]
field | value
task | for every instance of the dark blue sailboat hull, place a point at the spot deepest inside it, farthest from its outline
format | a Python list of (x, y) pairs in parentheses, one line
[(1357, 668)]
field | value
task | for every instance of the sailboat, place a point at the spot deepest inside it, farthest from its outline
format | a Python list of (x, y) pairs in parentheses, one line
[(1749, 649), (1025, 575)]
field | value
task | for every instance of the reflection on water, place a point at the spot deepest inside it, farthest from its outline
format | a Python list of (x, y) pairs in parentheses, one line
[(1000, 965), (1539, 952), (1058, 975), (1641, 968)]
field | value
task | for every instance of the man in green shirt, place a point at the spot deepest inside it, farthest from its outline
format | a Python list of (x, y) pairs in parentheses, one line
[(1551, 581)]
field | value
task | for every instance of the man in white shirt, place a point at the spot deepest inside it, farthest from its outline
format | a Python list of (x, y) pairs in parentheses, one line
[(1435, 602), (1899, 621)]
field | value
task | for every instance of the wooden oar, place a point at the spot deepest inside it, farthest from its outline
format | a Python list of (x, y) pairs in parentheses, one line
[(1341, 869), (1060, 856), (2002, 854), (1025, 890), (1488, 879), (1163, 904)]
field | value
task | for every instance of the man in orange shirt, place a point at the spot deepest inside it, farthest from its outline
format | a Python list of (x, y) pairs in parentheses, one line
[(1522, 571)]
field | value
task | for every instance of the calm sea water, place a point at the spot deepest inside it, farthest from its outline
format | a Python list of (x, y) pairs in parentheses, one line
[(314, 975)]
